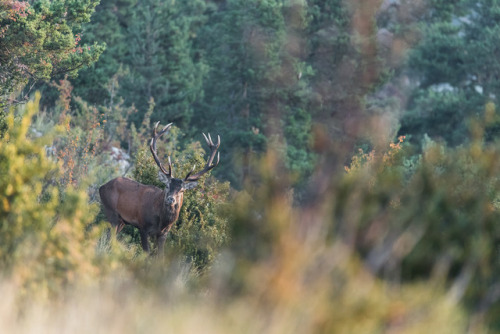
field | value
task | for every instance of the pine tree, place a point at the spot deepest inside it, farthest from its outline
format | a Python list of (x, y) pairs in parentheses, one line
[(257, 88), (41, 40), (108, 25), (151, 52), (457, 71), (161, 60)]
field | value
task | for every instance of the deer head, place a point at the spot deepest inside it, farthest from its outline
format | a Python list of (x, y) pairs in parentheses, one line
[(174, 187)]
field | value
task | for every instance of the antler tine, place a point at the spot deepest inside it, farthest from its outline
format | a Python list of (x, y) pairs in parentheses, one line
[(152, 147), (209, 165), (210, 142), (170, 169), (191, 171), (166, 127)]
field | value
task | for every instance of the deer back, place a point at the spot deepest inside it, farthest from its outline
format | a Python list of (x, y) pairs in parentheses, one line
[(134, 202)]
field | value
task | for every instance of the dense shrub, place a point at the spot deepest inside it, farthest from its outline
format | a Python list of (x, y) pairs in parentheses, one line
[(43, 227)]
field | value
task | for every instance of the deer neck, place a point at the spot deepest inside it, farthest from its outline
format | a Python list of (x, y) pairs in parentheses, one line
[(170, 212)]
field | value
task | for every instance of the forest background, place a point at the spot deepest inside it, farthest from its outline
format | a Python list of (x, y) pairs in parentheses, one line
[(358, 187)]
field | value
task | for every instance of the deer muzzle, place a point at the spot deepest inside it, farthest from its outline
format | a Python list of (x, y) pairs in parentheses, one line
[(170, 200)]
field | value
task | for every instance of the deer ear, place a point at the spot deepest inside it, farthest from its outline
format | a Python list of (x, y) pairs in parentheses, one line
[(189, 185), (163, 178)]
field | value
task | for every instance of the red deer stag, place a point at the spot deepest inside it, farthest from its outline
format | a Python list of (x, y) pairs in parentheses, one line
[(152, 210)]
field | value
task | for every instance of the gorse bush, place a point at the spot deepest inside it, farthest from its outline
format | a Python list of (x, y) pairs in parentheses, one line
[(43, 227)]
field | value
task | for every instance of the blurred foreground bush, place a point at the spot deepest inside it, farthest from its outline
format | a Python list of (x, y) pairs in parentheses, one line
[(432, 216), (279, 275)]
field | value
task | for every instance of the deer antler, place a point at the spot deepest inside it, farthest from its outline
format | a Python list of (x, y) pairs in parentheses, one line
[(152, 147), (213, 148)]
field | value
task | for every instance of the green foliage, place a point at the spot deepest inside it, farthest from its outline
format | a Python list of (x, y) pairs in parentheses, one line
[(3, 123), (430, 110), (202, 229), (449, 62), (40, 39), (329, 20), (258, 85), (42, 227), (107, 25), (299, 158), (152, 41), (160, 38), (445, 10), (343, 56), (145, 170), (283, 256), (435, 215)]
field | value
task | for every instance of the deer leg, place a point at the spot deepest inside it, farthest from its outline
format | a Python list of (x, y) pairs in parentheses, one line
[(144, 240), (116, 222), (160, 241), (114, 219)]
